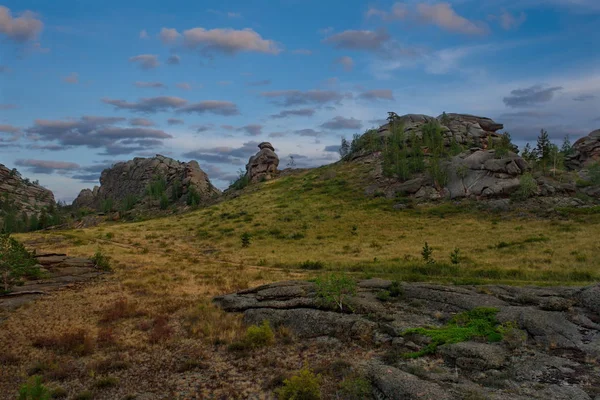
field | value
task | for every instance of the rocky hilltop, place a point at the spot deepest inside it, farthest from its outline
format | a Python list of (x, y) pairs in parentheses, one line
[(542, 343), (147, 180), (21, 194)]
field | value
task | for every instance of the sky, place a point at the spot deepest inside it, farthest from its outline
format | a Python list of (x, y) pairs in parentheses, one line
[(85, 84)]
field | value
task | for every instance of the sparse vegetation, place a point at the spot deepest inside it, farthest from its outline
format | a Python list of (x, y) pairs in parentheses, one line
[(476, 323), (336, 289), (304, 385), (15, 262), (101, 260), (241, 182)]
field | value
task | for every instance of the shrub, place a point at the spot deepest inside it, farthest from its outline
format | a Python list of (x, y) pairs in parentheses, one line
[(107, 205), (193, 197), (101, 260), (304, 385), (355, 388), (157, 187), (383, 295), (527, 187), (245, 238), (176, 190), (129, 202), (594, 173), (396, 289), (164, 201), (34, 390), (15, 262), (427, 253), (334, 289), (260, 336), (241, 182), (312, 265), (455, 256)]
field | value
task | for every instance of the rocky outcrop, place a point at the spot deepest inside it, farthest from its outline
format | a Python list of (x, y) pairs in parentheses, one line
[(133, 178), (466, 130), (23, 195), (551, 339), (263, 165), (586, 151)]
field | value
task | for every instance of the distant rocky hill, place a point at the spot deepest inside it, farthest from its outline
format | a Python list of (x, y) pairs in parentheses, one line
[(157, 181), (586, 151), (20, 200)]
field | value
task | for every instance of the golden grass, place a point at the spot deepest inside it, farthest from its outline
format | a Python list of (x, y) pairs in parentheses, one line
[(152, 320)]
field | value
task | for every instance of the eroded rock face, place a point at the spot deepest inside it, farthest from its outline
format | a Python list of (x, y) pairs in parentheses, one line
[(133, 177), (465, 129), (263, 165), (547, 358), (25, 196), (586, 151)]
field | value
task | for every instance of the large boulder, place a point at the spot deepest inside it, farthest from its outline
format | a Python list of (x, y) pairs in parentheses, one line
[(263, 165), (586, 151), (132, 178), (22, 194), (482, 174)]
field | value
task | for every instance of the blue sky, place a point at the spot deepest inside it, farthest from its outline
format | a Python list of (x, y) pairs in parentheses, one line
[(84, 84)]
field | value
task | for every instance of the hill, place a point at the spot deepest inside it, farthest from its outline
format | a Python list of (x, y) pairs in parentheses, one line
[(150, 324)]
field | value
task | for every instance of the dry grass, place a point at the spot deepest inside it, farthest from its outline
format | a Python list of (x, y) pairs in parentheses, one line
[(150, 326)]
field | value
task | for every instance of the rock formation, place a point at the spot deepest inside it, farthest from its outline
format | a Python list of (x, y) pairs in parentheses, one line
[(586, 151), (467, 130), (263, 165), (24, 196), (548, 349), (132, 179)]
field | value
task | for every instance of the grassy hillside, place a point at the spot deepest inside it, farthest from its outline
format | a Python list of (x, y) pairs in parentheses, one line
[(150, 323)]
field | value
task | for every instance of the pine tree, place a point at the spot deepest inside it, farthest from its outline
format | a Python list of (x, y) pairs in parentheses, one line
[(344, 148), (543, 149), (566, 148)]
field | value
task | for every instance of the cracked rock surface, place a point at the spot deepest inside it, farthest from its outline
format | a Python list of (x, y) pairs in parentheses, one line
[(556, 357)]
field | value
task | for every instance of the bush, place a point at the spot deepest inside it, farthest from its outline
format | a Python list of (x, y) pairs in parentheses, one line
[(164, 201), (34, 390), (396, 289), (334, 290), (312, 265), (129, 202), (383, 295), (245, 238), (241, 182), (107, 205), (304, 385), (355, 388), (193, 197), (455, 256), (594, 172), (426, 253), (527, 187), (15, 262), (157, 187), (260, 336), (101, 260)]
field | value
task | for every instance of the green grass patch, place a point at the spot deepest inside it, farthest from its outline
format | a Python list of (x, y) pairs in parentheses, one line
[(478, 323)]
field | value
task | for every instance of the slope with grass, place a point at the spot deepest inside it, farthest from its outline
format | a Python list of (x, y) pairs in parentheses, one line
[(149, 327)]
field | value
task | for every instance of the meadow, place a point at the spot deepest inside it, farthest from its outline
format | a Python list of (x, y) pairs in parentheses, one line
[(149, 325)]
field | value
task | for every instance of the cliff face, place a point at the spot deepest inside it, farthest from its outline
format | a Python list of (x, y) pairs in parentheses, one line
[(21, 194), (132, 179)]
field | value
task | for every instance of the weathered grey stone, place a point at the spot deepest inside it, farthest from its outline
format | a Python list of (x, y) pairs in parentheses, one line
[(586, 152), (474, 356), (26, 196), (132, 178), (263, 165), (590, 298), (396, 384)]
